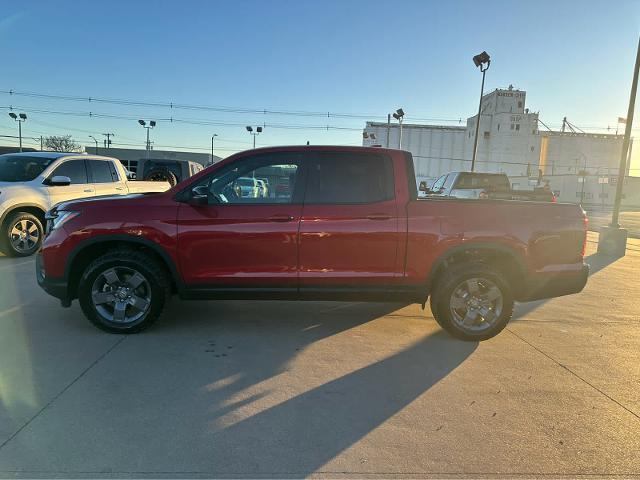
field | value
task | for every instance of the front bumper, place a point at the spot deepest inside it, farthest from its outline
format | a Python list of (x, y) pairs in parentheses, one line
[(56, 287), (554, 284)]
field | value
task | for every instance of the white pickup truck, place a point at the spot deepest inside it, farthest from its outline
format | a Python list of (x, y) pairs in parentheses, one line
[(31, 183)]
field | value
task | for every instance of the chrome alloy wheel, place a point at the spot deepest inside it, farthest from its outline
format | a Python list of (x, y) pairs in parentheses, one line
[(121, 295), (24, 236), (476, 304)]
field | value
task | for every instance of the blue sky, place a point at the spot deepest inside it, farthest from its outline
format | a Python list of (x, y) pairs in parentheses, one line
[(370, 57)]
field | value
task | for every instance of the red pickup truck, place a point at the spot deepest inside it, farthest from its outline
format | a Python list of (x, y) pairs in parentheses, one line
[(337, 223)]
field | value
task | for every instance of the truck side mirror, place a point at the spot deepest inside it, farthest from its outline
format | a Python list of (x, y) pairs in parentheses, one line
[(423, 187), (59, 181), (199, 195)]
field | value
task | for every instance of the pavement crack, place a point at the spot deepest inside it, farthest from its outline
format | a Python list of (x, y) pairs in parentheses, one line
[(573, 373), (61, 392)]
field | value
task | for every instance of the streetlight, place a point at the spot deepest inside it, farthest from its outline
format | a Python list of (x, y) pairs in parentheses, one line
[(399, 115), (94, 139), (482, 60), (152, 123), (255, 134), (213, 146), (369, 135), (21, 117)]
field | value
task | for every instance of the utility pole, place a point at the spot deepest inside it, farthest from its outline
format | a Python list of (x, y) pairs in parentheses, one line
[(613, 239), (564, 122), (41, 142), (388, 128), (107, 142)]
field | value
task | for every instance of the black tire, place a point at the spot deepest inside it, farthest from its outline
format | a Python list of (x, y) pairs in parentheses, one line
[(162, 175), (450, 283), (12, 244), (156, 284)]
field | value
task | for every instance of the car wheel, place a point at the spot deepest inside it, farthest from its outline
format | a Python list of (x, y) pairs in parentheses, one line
[(472, 302), (123, 291), (22, 235)]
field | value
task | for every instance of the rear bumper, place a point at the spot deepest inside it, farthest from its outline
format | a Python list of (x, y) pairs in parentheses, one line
[(56, 287), (555, 284)]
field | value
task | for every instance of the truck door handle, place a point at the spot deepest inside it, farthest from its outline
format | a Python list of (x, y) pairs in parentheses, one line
[(379, 216), (280, 218), (88, 190), (119, 188)]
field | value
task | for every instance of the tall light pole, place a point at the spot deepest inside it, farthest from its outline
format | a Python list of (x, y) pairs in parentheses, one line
[(257, 132), (21, 117), (213, 146), (613, 239), (94, 139), (482, 60), (399, 115), (152, 123)]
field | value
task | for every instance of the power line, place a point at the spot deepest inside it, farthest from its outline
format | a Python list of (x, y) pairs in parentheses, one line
[(223, 109)]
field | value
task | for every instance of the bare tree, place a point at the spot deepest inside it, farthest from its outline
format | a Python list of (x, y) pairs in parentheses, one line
[(61, 144)]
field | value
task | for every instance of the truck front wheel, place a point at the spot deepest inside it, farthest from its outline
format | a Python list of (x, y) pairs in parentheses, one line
[(472, 302), (123, 291), (22, 235)]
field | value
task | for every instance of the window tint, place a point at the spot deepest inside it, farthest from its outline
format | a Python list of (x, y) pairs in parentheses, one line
[(350, 178), (114, 172), (74, 169), (437, 185), (101, 171), (479, 180), (450, 178), (265, 179)]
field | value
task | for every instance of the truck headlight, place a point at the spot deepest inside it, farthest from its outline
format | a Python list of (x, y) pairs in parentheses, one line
[(57, 218)]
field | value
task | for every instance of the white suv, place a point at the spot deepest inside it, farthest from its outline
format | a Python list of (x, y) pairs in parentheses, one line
[(31, 183)]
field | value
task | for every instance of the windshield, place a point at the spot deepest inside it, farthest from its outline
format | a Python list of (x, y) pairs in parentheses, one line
[(21, 168)]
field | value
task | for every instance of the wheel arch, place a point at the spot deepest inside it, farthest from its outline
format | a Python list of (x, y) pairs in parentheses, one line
[(504, 259), (88, 250), (32, 208)]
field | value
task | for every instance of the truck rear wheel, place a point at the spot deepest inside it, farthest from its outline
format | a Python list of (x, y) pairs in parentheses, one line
[(123, 291), (162, 175), (472, 302), (22, 235)]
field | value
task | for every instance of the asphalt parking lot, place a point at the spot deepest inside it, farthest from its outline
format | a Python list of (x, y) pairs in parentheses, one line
[(276, 389)]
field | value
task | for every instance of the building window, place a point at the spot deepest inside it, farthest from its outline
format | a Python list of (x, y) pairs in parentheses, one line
[(533, 148), (498, 127), (487, 134), (520, 104), (604, 195), (512, 127), (518, 126)]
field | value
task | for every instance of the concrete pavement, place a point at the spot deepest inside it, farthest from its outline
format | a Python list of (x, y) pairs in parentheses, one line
[(264, 389)]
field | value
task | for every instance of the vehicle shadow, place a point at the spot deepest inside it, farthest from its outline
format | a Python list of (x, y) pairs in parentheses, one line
[(298, 435), (596, 262)]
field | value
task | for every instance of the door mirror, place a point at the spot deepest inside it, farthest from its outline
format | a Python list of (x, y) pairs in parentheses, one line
[(59, 181), (423, 187), (199, 195)]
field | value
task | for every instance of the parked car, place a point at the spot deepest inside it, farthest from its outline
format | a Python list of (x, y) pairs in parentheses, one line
[(482, 186), (263, 191), (31, 183), (247, 187), (352, 228)]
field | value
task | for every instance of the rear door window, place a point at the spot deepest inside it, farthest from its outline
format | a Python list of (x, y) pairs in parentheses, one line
[(349, 178), (494, 183), (101, 171), (76, 170)]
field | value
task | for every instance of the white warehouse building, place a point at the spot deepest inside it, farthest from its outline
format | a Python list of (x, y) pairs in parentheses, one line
[(510, 141)]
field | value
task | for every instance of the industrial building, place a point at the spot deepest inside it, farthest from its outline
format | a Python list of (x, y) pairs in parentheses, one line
[(512, 140)]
